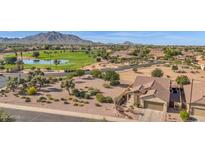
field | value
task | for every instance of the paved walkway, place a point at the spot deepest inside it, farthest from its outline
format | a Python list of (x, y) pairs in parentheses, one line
[(65, 113)]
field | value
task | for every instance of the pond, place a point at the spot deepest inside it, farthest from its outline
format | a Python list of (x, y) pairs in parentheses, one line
[(43, 62)]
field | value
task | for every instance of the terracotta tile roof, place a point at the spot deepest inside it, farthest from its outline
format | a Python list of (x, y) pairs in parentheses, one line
[(159, 87), (198, 92), (149, 93)]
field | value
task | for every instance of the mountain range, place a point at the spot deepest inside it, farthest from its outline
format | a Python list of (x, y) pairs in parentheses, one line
[(48, 38)]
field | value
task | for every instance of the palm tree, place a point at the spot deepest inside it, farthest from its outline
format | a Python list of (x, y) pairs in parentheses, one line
[(67, 84), (56, 62), (19, 64)]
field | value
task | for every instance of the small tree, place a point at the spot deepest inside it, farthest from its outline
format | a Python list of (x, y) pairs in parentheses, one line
[(184, 115), (56, 62), (68, 84), (100, 98), (80, 72), (10, 60), (182, 80), (157, 73), (111, 75), (174, 67), (96, 73), (36, 54), (135, 69), (98, 59)]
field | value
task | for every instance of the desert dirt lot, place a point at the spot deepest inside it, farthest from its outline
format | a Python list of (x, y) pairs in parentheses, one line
[(129, 76), (57, 93)]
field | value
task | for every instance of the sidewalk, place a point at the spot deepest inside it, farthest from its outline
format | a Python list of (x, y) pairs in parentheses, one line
[(65, 113)]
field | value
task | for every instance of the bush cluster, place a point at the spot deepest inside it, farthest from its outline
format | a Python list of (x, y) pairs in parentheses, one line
[(104, 99)]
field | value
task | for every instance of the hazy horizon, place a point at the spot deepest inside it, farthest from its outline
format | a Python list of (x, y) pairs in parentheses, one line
[(140, 37)]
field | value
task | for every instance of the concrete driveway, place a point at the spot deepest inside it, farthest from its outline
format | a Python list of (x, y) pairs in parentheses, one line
[(148, 115)]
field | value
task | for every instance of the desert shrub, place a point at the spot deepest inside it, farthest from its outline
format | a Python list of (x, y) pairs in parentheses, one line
[(102, 99), (31, 91), (98, 104), (110, 75), (93, 92), (79, 72), (86, 102), (135, 69), (75, 100), (33, 68), (56, 100), (105, 85), (182, 80), (174, 67), (35, 54), (75, 104), (98, 59), (114, 82), (42, 99), (82, 94), (157, 73), (66, 102), (81, 105), (166, 65), (48, 68), (27, 99), (2, 67), (49, 102), (96, 73), (76, 92), (63, 99), (87, 96), (70, 98), (184, 115), (108, 99), (60, 79)]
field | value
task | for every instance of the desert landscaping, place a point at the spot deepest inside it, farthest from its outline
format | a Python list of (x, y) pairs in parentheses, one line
[(121, 81)]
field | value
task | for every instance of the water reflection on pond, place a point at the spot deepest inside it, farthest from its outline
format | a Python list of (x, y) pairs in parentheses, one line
[(45, 62)]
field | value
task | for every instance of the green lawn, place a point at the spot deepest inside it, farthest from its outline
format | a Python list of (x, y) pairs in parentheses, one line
[(76, 59)]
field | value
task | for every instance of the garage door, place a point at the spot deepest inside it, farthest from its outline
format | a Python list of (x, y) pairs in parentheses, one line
[(198, 111), (154, 106)]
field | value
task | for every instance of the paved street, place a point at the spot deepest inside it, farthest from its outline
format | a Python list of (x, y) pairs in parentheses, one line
[(30, 116)]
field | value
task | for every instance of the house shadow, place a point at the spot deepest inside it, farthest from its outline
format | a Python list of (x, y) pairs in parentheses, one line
[(192, 119)]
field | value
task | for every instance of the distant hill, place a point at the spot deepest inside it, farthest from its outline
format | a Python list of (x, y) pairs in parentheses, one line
[(48, 38), (128, 43)]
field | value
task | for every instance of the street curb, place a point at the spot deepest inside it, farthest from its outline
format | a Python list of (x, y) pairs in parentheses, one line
[(65, 113)]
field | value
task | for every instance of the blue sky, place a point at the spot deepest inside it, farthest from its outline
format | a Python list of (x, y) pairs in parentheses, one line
[(145, 37)]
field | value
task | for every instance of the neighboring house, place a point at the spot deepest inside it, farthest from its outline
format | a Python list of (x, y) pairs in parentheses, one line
[(122, 54), (157, 54), (202, 64), (149, 92), (196, 97)]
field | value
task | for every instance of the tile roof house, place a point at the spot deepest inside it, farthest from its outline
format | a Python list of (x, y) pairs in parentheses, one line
[(150, 92), (195, 97)]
